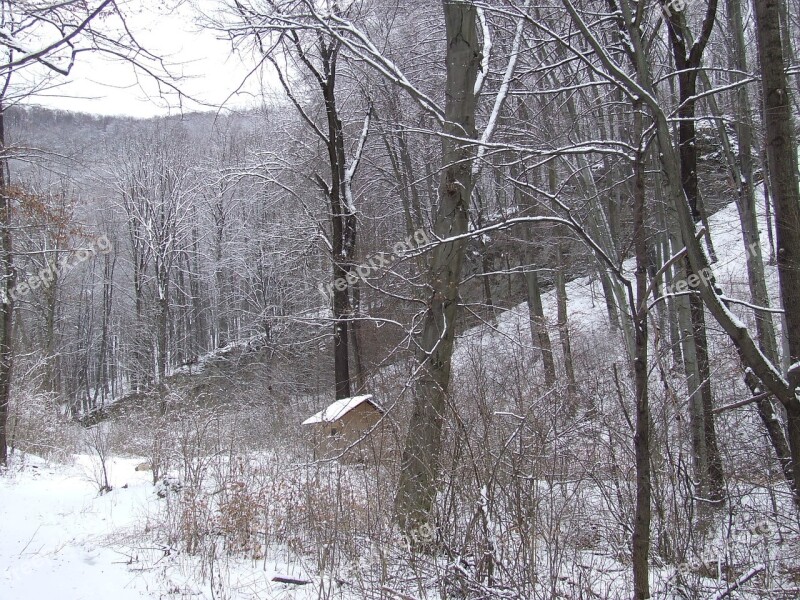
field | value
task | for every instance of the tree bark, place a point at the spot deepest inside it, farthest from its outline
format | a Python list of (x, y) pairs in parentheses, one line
[(343, 225), (711, 481), (782, 159), (539, 334), (641, 441), (420, 461), (6, 300), (746, 204), (355, 340)]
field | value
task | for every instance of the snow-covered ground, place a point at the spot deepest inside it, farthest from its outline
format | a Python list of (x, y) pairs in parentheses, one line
[(60, 539), (586, 310)]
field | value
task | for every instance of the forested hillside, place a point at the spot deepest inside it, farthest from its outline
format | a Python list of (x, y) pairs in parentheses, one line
[(474, 300)]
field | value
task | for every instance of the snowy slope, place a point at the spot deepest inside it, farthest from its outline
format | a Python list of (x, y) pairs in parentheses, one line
[(586, 311)]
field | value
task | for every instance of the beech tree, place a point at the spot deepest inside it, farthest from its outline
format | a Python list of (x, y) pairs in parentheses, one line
[(419, 465), (782, 158)]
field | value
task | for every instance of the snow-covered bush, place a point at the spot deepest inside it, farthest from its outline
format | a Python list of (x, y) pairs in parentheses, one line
[(38, 425)]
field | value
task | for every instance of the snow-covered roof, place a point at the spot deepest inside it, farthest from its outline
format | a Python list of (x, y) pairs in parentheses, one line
[(339, 408)]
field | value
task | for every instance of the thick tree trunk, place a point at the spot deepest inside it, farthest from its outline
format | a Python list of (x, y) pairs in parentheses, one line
[(343, 225), (715, 474), (711, 481), (746, 204), (782, 159), (420, 461)]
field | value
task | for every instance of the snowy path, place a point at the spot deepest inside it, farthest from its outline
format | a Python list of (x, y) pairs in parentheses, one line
[(57, 534)]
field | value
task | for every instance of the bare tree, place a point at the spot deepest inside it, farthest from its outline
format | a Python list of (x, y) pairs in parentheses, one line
[(782, 158), (300, 41), (419, 467)]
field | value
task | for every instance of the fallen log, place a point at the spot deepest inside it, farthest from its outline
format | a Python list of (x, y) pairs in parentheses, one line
[(291, 580)]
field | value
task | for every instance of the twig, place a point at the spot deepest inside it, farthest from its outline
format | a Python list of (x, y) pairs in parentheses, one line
[(21, 552), (397, 594), (740, 582), (740, 403)]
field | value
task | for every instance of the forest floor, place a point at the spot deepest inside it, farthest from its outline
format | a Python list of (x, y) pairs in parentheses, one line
[(57, 533), (60, 538)]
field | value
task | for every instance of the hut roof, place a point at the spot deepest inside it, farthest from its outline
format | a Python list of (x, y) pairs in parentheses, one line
[(338, 409)]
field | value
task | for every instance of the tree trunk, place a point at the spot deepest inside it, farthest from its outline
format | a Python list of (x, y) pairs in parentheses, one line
[(343, 225), (746, 205), (355, 340), (221, 312), (563, 324), (782, 159), (687, 63), (538, 325), (671, 312), (420, 461), (102, 380), (641, 441), (163, 330), (561, 295), (539, 334), (6, 301)]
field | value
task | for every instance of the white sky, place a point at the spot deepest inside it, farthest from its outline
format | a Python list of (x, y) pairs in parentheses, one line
[(211, 72)]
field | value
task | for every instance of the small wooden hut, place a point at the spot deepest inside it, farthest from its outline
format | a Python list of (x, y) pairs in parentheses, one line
[(350, 429)]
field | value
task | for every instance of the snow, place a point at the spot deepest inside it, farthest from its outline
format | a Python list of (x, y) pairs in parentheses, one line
[(56, 533), (588, 319), (59, 538), (337, 410)]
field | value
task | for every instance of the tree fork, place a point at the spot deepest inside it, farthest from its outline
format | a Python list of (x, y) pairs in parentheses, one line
[(420, 460)]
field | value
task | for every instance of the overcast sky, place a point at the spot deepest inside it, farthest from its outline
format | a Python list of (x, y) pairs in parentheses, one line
[(212, 73)]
